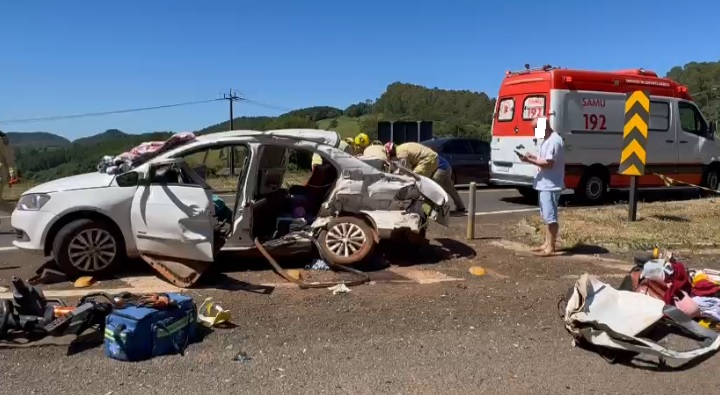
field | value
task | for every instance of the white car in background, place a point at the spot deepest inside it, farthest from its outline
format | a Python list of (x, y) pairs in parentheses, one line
[(163, 210)]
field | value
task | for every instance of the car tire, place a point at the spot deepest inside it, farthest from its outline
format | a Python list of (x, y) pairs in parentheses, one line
[(592, 189), (88, 247), (338, 249), (454, 179)]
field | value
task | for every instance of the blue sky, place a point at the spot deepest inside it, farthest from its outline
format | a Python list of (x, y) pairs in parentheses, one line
[(72, 56)]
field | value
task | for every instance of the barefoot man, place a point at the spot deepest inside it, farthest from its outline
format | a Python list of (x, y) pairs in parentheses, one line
[(549, 180)]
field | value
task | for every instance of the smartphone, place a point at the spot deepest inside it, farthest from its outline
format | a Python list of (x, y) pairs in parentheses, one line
[(518, 153)]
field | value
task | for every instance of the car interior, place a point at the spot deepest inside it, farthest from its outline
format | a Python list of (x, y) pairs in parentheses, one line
[(279, 209)]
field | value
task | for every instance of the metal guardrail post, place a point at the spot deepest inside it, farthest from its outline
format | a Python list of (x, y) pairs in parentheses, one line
[(471, 212)]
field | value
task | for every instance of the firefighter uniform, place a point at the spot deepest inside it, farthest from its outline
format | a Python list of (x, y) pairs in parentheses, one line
[(375, 151), (419, 158), (443, 176)]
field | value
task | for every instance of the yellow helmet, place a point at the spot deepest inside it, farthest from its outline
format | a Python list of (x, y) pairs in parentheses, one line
[(376, 142), (362, 140)]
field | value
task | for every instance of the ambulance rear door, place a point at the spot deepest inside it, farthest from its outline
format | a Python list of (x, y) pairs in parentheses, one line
[(513, 130)]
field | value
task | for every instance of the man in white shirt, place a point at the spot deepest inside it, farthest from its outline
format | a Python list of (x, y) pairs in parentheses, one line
[(549, 181)]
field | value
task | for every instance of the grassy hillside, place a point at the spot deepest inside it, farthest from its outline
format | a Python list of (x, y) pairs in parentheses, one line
[(42, 156)]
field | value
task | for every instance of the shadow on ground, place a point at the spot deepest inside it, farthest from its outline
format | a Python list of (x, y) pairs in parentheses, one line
[(445, 249)]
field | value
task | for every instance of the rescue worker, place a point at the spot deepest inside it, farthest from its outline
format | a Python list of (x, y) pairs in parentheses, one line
[(362, 141), (443, 176), (417, 157), (375, 151), (7, 171)]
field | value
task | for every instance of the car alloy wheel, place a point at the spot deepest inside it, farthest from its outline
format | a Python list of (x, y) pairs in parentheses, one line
[(345, 239), (92, 250)]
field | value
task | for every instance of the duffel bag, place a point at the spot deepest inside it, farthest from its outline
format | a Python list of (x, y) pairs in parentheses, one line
[(137, 333)]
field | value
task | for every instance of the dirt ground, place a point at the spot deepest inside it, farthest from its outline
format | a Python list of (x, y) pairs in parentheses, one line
[(498, 334)]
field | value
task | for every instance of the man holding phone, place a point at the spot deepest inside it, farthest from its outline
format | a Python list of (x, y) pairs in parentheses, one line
[(549, 180)]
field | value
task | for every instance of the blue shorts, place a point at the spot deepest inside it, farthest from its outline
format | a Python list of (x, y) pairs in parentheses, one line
[(548, 202)]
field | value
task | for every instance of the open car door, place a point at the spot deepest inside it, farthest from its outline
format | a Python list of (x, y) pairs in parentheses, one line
[(172, 222)]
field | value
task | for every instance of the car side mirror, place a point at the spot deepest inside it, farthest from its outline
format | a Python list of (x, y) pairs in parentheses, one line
[(129, 179)]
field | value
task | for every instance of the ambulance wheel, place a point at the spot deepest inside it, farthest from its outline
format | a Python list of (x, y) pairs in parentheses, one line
[(593, 188), (712, 179), (347, 241)]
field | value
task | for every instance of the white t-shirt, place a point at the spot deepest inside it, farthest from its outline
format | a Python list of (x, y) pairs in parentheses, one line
[(551, 178)]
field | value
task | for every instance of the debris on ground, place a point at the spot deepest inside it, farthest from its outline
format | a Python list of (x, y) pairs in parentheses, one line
[(339, 289), (84, 282), (3, 289), (47, 275), (318, 264), (477, 271), (659, 293), (295, 273), (212, 314), (242, 357)]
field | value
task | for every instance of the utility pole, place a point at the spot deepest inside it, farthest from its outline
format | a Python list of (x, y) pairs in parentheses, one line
[(231, 97)]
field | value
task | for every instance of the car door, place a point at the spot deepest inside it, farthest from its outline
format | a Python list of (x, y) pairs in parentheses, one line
[(481, 160), (172, 215), (460, 155)]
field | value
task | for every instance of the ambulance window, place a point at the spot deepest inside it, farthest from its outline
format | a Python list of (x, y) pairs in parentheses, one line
[(690, 119), (533, 107), (659, 116), (506, 110)]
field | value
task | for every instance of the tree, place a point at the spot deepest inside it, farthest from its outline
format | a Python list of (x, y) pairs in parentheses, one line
[(333, 124)]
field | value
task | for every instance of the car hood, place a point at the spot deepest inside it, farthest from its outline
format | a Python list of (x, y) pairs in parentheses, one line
[(81, 181)]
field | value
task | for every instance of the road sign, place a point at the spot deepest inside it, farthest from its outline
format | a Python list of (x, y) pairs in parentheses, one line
[(405, 131), (635, 134)]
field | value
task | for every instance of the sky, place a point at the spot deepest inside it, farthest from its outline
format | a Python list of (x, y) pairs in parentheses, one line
[(65, 57)]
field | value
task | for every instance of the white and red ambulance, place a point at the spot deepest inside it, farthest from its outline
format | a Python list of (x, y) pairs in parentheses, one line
[(587, 108)]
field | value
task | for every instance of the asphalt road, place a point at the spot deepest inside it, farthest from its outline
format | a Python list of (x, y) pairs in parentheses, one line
[(495, 334)]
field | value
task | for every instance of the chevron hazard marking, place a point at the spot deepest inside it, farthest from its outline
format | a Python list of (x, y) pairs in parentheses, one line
[(634, 148), (633, 156), (639, 97), (635, 123)]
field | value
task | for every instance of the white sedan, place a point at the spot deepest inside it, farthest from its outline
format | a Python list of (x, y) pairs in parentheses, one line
[(164, 211)]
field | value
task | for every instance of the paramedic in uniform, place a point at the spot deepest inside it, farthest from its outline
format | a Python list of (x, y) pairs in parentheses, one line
[(418, 158), (7, 170), (443, 176), (549, 182)]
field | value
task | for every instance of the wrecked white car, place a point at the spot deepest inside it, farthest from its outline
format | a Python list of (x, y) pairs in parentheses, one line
[(164, 211)]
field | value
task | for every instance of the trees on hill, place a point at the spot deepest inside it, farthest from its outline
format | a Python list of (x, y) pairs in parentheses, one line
[(42, 156)]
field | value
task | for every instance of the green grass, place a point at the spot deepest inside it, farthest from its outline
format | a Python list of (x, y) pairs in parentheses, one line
[(346, 127)]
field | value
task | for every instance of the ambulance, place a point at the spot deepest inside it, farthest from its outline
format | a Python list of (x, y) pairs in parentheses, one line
[(587, 109)]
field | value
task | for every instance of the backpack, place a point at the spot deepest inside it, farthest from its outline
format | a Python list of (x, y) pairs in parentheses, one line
[(138, 333)]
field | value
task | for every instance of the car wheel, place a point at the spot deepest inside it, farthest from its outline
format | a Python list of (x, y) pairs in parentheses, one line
[(88, 247), (347, 241)]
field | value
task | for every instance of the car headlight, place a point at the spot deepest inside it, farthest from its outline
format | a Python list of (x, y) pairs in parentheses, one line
[(32, 202)]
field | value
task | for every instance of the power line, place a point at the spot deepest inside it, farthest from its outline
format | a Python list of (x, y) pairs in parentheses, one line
[(231, 97), (269, 106), (95, 114)]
